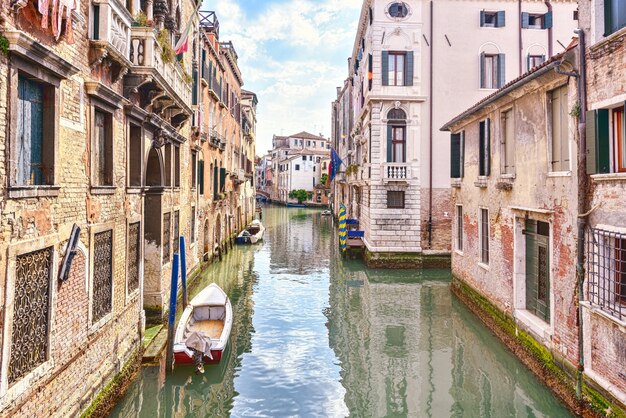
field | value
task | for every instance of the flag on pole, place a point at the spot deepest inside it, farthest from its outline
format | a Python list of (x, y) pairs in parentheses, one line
[(335, 163), (183, 42)]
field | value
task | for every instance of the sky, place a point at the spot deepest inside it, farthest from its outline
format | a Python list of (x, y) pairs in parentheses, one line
[(292, 54)]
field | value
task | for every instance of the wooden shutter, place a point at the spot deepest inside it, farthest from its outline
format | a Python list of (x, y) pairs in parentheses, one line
[(485, 148), (546, 22), (370, 69), (525, 18), (603, 141), (455, 156), (482, 18), (222, 179), (216, 189), (194, 93), (488, 146), (30, 133), (500, 19), (462, 159), (501, 71), (389, 144), (591, 151), (408, 70), (608, 11), (385, 68), (482, 70), (481, 148), (201, 176)]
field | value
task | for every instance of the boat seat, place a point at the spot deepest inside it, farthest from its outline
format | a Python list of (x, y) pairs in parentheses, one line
[(205, 313)]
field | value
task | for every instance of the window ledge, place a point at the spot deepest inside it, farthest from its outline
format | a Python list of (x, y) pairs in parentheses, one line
[(559, 174), (608, 39), (96, 326), (458, 252), (598, 311), (456, 183), (481, 182), (103, 190), (484, 266), (507, 176), (597, 178), (19, 192), (134, 190)]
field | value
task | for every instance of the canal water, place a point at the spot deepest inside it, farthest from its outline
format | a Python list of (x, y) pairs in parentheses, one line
[(318, 336)]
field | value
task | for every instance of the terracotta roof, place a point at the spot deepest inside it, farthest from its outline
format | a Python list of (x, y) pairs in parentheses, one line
[(306, 135), (511, 85)]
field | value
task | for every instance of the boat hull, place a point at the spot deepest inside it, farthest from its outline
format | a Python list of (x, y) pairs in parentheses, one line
[(182, 358)]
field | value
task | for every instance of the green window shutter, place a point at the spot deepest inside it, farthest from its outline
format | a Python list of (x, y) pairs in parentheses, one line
[(485, 148), (201, 176), (222, 179), (603, 141), (591, 151), (96, 22), (385, 68), (194, 93), (462, 159), (408, 71), (389, 145), (528, 62), (501, 70), (500, 19), (525, 19), (481, 148), (608, 11), (455, 156), (482, 70), (488, 146), (482, 18), (216, 189), (370, 69), (546, 22)]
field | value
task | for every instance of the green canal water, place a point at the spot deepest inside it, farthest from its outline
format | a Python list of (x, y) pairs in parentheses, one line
[(318, 336)]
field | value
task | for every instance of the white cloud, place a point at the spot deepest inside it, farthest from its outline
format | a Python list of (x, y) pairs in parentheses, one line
[(293, 55)]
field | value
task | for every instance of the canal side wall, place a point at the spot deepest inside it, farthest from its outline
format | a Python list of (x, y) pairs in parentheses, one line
[(548, 365)]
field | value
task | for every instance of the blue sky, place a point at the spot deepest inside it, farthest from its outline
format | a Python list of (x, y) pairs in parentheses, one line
[(292, 54)]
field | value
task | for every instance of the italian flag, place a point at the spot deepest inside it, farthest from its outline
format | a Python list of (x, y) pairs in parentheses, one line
[(183, 42)]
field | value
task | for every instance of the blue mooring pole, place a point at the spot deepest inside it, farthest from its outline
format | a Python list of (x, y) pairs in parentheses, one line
[(183, 271), (169, 361)]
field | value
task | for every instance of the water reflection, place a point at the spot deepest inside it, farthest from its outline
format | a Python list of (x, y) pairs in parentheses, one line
[(315, 335)]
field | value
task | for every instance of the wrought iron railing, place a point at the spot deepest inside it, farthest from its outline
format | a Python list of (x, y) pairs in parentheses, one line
[(606, 271), (167, 219), (134, 252)]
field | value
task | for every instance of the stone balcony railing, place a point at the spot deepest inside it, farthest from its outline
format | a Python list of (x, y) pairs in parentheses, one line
[(146, 52), (110, 30), (396, 172)]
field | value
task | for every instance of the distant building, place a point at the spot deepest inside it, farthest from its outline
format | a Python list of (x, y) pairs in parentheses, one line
[(414, 65)]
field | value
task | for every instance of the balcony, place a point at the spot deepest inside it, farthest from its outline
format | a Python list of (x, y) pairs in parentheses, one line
[(109, 36), (396, 172), (239, 176), (214, 138), (162, 87)]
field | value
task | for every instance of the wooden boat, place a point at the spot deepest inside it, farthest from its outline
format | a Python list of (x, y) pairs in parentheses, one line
[(209, 315), (296, 205), (252, 234), (326, 213)]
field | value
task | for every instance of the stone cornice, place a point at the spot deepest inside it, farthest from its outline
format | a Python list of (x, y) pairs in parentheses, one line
[(105, 94)]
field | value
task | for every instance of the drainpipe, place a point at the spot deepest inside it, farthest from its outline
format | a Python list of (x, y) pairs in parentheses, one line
[(430, 139), (547, 2), (519, 36), (582, 202)]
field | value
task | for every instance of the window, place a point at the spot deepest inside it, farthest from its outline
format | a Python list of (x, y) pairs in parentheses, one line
[(134, 253), (484, 236), (606, 267), (176, 166), (507, 141), (396, 136), (614, 16), (297, 167), (166, 237), (537, 261), (167, 154), (398, 10), (492, 19), (31, 313), (314, 144), (103, 149), (176, 234), (34, 145), (484, 152), (134, 158), (457, 155), (194, 169), (459, 228), (492, 72), (102, 292), (304, 158), (536, 20), (395, 199), (308, 143), (397, 68), (559, 115), (619, 138), (534, 60)]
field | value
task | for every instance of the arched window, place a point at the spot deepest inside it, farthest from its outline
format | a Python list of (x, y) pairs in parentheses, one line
[(396, 136)]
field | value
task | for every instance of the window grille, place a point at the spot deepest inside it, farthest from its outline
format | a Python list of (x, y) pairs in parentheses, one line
[(29, 337), (102, 275), (395, 199), (176, 235), (166, 237), (606, 271), (484, 236), (134, 251)]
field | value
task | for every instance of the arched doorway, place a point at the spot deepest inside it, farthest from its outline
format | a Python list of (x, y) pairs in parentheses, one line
[(218, 231), (152, 228)]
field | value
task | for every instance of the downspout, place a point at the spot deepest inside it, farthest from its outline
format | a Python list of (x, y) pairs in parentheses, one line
[(519, 36), (582, 202), (547, 2), (430, 139)]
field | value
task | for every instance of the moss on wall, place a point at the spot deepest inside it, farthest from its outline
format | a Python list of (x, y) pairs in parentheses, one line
[(403, 260)]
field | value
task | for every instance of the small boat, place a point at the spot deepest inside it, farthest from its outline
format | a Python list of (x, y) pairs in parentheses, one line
[(326, 213), (252, 234), (204, 328), (296, 205)]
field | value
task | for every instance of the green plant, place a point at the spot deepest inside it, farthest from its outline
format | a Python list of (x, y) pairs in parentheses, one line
[(141, 19), (324, 179), (187, 77), (167, 52), (301, 195), (4, 45), (352, 169), (575, 112)]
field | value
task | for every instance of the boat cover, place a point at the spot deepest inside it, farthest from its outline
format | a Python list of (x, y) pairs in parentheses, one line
[(199, 342)]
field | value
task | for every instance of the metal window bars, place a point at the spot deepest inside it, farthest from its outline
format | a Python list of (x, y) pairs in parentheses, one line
[(606, 271)]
